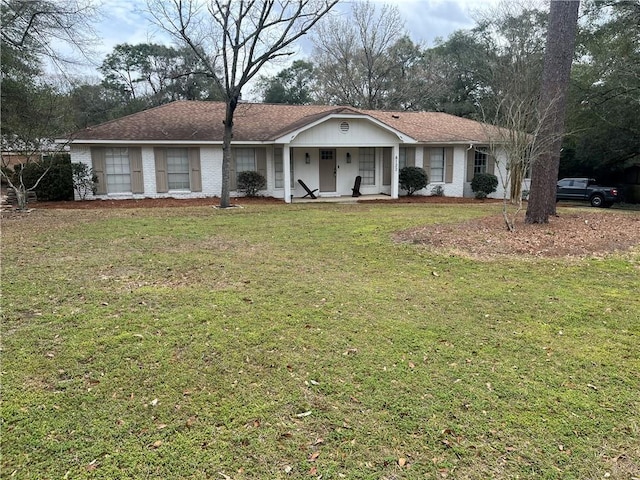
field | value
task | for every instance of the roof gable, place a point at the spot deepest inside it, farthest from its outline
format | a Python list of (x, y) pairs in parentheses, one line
[(288, 133)]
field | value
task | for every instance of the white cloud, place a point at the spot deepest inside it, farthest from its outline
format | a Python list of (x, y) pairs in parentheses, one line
[(126, 21)]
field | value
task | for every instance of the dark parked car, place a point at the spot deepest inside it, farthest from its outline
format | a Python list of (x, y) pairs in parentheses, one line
[(588, 190)]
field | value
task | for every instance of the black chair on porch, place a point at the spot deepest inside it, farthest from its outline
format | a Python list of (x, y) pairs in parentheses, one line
[(310, 193), (356, 187)]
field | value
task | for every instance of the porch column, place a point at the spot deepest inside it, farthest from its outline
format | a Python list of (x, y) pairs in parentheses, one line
[(395, 156), (286, 166)]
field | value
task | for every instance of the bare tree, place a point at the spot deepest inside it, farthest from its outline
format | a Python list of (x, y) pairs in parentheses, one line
[(234, 40), (513, 145), (513, 36), (39, 27), (33, 109), (512, 41), (353, 54), (559, 52), (30, 135)]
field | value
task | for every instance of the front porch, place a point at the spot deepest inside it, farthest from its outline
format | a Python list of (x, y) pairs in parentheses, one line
[(331, 173), (340, 199)]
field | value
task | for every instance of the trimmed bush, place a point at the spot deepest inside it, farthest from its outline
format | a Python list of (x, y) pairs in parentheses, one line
[(251, 183), (413, 179), (57, 183), (484, 184)]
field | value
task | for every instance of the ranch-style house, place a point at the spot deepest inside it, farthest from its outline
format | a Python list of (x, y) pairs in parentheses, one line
[(175, 150)]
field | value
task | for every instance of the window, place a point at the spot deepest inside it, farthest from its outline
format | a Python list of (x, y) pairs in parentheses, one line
[(402, 159), (367, 165), (480, 162), (279, 169), (178, 168), (117, 169), (437, 165), (278, 164), (245, 160)]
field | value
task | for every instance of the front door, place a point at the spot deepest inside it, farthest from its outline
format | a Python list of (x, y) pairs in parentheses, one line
[(327, 171)]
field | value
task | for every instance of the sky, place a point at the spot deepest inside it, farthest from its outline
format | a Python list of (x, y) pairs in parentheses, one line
[(125, 21)]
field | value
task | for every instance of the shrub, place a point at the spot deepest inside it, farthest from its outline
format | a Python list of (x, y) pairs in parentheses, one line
[(251, 183), (57, 183), (84, 180), (483, 184), (437, 191), (413, 179)]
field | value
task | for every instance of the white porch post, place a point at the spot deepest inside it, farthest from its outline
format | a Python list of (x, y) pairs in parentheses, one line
[(395, 156), (286, 166)]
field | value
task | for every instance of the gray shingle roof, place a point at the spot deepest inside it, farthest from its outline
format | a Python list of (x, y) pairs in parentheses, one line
[(203, 121)]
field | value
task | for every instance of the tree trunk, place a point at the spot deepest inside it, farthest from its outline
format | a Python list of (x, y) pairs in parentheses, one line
[(561, 35), (225, 197), (22, 197)]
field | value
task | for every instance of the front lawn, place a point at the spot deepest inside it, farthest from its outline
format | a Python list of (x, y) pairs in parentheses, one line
[(301, 341)]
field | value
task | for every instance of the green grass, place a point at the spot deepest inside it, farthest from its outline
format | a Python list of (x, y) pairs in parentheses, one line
[(193, 343)]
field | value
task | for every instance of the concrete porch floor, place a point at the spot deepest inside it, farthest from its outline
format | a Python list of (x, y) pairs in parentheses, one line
[(342, 199)]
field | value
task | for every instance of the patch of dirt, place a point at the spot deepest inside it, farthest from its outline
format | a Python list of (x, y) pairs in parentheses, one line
[(570, 234)]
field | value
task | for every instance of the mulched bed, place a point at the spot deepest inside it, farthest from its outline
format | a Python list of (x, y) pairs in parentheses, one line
[(570, 234), (211, 201)]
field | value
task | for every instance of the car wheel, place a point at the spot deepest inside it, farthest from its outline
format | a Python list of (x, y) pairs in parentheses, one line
[(597, 201)]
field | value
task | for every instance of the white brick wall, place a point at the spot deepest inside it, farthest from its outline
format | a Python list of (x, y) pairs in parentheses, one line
[(210, 165), (148, 171), (81, 154), (211, 168), (454, 189)]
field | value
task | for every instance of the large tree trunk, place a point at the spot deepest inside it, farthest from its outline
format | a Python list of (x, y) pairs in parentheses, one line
[(225, 195), (561, 35)]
